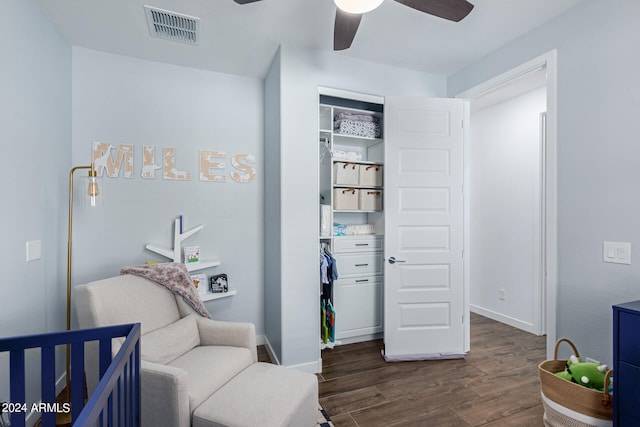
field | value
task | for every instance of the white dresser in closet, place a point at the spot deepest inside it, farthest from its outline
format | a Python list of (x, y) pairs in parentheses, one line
[(358, 291)]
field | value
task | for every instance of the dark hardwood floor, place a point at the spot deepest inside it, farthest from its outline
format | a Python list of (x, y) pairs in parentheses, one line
[(496, 385)]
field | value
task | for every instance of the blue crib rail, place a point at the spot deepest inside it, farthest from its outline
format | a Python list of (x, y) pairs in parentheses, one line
[(116, 400)]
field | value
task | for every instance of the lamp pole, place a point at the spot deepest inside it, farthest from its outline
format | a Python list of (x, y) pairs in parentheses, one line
[(92, 192)]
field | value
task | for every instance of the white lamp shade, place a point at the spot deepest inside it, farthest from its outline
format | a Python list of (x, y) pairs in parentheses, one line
[(358, 6)]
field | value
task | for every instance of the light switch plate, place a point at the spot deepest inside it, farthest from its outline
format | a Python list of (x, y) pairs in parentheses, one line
[(34, 250), (616, 252)]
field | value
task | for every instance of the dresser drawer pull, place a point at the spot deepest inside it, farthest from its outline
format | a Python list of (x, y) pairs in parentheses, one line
[(361, 265), (362, 280), (362, 244)]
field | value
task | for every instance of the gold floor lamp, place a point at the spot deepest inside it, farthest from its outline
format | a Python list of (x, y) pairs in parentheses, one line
[(91, 196)]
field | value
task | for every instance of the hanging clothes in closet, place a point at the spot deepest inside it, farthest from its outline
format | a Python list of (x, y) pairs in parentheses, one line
[(328, 273)]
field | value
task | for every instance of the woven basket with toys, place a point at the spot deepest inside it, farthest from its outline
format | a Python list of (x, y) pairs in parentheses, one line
[(575, 390)]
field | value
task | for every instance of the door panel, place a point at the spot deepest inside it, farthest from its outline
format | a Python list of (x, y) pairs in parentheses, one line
[(424, 300)]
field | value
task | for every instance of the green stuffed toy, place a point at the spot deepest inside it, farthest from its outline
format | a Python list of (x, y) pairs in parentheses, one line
[(587, 374)]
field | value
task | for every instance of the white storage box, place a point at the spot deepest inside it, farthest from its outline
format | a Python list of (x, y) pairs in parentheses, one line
[(371, 175), (370, 200), (345, 199), (346, 173)]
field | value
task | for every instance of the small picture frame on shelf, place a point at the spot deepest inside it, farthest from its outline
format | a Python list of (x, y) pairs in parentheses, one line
[(191, 254), (218, 283), (200, 282)]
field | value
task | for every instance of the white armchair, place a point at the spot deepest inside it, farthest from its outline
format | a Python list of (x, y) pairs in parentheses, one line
[(186, 358)]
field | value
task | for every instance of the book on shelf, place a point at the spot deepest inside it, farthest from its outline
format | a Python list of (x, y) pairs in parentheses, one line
[(200, 282), (191, 254), (218, 283)]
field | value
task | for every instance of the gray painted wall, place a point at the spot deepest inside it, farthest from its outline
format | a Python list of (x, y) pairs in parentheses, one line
[(35, 119), (598, 91), (122, 100), (301, 73), (272, 209)]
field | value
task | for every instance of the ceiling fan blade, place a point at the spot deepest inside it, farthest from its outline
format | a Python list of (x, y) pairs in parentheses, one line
[(245, 1), (453, 10), (345, 29)]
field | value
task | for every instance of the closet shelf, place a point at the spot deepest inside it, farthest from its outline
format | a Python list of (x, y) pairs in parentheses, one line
[(365, 187), (346, 135), (357, 141), (357, 162), (355, 211)]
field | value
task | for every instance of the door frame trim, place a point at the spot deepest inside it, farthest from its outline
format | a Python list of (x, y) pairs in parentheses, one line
[(550, 261)]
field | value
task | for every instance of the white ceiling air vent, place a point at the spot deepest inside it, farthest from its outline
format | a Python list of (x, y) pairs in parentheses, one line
[(172, 26)]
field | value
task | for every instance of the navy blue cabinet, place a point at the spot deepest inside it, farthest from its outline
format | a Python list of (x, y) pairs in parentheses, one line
[(626, 364)]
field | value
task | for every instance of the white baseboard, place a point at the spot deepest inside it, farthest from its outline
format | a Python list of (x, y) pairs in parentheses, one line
[(502, 318), (272, 353), (359, 338), (311, 367)]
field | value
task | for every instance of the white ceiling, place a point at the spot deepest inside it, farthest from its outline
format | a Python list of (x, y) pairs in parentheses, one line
[(242, 39)]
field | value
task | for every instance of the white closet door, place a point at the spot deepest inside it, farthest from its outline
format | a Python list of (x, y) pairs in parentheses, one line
[(424, 295)]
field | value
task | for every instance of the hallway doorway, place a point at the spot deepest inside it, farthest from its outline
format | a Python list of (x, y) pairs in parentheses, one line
[(510, 198)]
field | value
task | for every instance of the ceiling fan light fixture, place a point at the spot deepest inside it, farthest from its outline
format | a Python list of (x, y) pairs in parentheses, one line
[(357, 6)]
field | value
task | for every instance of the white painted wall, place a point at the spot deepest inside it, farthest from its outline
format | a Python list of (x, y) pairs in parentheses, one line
[(505, 214), (123, 100), (35, 124), (301, 72), (597, 157)]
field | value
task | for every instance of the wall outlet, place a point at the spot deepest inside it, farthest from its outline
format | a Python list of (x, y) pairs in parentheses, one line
[(502, 295)]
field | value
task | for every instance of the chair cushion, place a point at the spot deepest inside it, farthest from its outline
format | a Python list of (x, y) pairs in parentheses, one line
[(166, 344), (263, 395), (210, 367), (117, 300)]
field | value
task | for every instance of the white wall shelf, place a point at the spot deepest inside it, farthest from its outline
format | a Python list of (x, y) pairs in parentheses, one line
[(210, 296), (175, 254)]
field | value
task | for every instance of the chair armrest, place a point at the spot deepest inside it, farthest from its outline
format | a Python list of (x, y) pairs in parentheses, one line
[(164, 396), (236, 334)]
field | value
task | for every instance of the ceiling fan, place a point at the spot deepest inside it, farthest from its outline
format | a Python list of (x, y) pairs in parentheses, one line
[(349, 13)]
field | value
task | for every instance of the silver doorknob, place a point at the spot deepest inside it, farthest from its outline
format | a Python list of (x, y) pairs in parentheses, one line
[(393, 260)]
